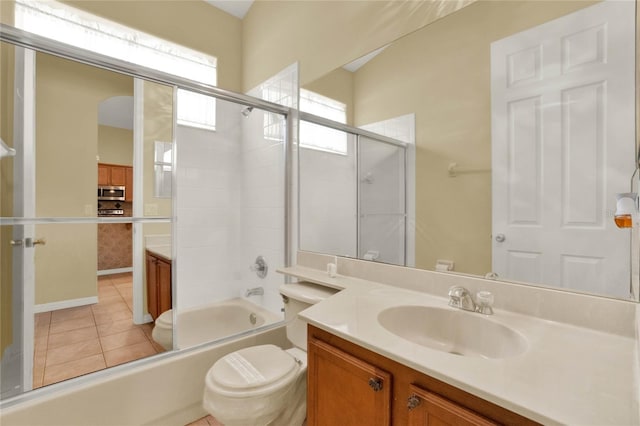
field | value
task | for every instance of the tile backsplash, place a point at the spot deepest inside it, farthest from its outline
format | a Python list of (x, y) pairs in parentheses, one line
[(114, 246)]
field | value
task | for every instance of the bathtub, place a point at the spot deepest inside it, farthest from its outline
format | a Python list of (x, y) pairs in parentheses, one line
[(213, 322)]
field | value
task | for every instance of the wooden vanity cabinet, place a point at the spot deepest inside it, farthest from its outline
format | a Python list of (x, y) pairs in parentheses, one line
[(346, 390), (341, 389), (158, 284)]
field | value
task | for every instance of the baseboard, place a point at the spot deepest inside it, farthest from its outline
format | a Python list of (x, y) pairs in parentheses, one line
[(115, 271), (64, 304)]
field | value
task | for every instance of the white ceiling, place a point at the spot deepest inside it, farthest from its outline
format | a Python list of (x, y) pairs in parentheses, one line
[(237, 8), (116, 112)]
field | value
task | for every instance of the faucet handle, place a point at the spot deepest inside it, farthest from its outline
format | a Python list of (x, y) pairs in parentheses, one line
[(455, 295), (484, 302), (457, 291)]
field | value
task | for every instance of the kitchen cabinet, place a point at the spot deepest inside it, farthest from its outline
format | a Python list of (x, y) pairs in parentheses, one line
[(128, 194), (351, 385), (158, 271), (112, 174)]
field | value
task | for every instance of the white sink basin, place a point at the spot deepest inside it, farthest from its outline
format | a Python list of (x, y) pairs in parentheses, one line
[(453, 331)]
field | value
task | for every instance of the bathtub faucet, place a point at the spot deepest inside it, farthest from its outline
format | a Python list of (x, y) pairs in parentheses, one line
[(256, 291)]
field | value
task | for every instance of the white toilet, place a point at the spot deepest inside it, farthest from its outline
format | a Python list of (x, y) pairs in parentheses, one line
[(266, 385), (162, 332)]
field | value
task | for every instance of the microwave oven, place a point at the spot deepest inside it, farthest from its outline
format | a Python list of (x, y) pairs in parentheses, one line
[(111, 193)]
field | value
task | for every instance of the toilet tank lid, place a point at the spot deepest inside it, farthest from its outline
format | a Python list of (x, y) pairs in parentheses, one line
[(307, 292)]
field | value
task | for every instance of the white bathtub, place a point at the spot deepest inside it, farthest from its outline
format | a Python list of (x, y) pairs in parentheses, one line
[(209, 323)]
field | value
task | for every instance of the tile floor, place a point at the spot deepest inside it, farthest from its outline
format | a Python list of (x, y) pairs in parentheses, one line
[(76, 341)]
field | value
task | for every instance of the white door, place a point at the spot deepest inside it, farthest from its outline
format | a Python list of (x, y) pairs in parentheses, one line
[(563, 145)]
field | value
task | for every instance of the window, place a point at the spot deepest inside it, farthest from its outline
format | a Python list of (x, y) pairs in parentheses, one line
[(75, 27), (318, 137), (162, 169), (196, 110)]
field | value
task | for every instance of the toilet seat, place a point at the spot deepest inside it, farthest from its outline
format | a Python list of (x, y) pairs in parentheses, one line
[(253, 371)]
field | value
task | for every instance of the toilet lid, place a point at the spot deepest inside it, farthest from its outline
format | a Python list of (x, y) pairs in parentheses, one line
[(252, 367)]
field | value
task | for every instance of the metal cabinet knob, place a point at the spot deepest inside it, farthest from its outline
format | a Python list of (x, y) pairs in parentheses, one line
[(375, 384), (413, 401), (500, 238)]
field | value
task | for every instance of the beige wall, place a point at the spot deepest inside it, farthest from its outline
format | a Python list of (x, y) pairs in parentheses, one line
[(6, 195), (158, 126), (115, 146), (322, 36), (338, 85), (67, 101), (442, 73)]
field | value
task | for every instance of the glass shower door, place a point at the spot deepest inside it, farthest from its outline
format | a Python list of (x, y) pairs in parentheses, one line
[(382, 205)]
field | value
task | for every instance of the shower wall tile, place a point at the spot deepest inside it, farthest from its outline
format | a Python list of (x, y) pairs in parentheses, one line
[(230, 199), (208, 182), (263, 188)]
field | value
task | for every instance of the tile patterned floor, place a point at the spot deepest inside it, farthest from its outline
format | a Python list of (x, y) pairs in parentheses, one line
[(76, 341)]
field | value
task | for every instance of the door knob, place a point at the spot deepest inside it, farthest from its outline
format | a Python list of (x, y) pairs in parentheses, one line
[(16, 243), (30, 242), (500, 238)]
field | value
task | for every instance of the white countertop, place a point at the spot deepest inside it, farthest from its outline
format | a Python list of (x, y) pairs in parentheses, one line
[(160, 250), (568, 374)]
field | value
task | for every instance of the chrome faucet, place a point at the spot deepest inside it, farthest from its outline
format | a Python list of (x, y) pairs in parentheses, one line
[(256, 291), (459, 297)]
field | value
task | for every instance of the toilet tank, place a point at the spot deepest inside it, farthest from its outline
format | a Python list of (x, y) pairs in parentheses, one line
[(298, 297)]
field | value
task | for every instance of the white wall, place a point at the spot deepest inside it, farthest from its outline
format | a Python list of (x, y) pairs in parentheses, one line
[(230, 210), (262, 201), (263, 187), (209, 185)]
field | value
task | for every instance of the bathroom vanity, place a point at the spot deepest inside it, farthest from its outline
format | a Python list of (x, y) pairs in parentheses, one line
[(350, 385), (371, 352)]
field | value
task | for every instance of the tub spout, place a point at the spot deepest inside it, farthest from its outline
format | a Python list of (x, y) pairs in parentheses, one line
[(256, 291)]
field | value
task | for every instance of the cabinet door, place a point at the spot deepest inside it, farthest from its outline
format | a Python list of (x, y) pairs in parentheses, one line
[(344, 390), (118, 175), (152, 290), (128, 194), (164, 286), (428, 408), (104, 175)]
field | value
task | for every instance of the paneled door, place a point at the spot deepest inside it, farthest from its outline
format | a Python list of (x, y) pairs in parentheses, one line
[(562, 147)]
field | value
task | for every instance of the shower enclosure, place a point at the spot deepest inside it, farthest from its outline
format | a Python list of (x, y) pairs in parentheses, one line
[(353, 196), (220, 194)]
